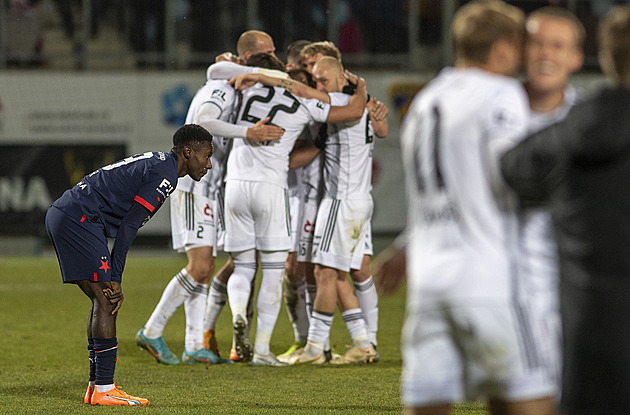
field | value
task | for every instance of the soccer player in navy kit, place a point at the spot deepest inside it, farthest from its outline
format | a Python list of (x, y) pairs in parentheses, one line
[(114, 202)]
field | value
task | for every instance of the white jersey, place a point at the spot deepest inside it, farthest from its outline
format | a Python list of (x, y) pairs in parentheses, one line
[(451, 139), (269, 161), (222, 95), (348, 156)]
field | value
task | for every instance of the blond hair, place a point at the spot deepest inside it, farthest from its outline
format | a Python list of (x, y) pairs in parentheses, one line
[(479, 24), (324, 47), (614, 44)]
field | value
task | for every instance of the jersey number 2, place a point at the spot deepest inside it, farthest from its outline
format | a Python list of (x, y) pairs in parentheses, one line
[(295, 104)]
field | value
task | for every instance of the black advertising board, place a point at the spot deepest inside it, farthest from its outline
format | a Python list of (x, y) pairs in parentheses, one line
[(33, 176)]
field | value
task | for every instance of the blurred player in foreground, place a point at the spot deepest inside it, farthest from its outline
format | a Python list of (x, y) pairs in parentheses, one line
[(580, 168), (114, 202), (553, 51), (467, 329)]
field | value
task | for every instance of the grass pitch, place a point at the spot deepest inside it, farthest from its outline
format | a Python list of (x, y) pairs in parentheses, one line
[(44, 365)]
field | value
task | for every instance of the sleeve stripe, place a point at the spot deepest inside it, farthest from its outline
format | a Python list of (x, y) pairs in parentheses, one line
[(144, 203)]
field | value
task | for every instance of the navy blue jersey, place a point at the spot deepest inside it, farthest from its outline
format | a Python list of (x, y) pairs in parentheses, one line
[(107, 194)]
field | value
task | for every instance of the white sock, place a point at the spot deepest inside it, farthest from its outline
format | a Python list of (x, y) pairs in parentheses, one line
[(239, 285), (319, 331), (104, 388), (294, 300), (176, 292), (217, 297), (356, 327), (368, 300), (269, 297), (195, 307)]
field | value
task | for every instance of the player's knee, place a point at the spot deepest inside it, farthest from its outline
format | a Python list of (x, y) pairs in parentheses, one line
[(201, 272), (359, 275)]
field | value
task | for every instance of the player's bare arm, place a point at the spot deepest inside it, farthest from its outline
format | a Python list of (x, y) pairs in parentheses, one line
[(294, 87), (378, 112), (303, 153), (354, 110), (389, 269)]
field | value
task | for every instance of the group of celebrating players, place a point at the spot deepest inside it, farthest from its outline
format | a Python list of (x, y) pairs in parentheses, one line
[(311, 224), (273, 167)]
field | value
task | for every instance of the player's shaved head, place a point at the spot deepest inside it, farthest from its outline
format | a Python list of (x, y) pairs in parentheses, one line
[(254, 41), (329, 63), (328, 75)]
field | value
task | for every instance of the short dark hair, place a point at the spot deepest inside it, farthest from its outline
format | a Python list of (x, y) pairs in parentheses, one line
[(265, 60), (301, 75), (192, 135), (294, 50)]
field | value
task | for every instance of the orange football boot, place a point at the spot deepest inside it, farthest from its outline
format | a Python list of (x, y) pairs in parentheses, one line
[(116, 396)]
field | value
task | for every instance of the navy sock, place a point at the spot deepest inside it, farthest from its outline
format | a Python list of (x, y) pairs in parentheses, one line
[(92, 359), (106, 352)]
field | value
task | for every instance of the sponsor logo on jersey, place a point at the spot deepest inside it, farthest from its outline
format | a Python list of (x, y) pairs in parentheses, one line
[(165, 188), (217, 93)]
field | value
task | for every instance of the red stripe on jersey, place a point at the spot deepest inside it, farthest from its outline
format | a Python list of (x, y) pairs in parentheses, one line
[(95, 277), (82, 218), (144, 203)]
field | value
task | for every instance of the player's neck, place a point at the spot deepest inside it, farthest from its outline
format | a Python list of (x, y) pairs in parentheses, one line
[(543, 101)]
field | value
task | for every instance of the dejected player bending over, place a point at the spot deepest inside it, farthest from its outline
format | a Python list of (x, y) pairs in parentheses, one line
[(114, 202)]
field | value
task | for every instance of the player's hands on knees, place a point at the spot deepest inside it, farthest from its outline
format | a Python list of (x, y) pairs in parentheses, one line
[(115, 295), (389, 270), (261, 131)]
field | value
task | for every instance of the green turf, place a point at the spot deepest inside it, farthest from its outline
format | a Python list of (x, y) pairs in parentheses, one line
[(44, 366)]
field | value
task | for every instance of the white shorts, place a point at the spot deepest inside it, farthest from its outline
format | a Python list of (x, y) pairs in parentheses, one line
[(340, 228), (454, 352), (295, 208), (364, 248), (306, 230), (256, 217), (192, 221)]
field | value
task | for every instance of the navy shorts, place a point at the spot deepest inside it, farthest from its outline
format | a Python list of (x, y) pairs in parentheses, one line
[(81, 247)]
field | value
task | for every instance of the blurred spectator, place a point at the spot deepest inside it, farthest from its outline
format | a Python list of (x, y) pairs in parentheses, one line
[(147, 27), (350, 37), (25, 43)]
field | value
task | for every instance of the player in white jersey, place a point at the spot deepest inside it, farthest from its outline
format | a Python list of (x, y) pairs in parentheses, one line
[(468, 332), (553, 51), (256, 202), (195, 216), (294, 293), (364, 285), (347, 175)]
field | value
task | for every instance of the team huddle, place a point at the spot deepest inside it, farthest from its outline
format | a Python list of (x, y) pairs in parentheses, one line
[(252, 207), (273, 167), (310, 223)]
